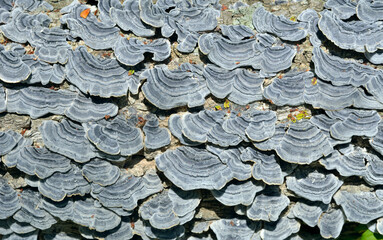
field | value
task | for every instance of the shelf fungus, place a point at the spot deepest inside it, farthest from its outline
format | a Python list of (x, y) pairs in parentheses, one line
[(360, 206), (116, 137), (282, 229), (85, 212), (3, 104), (369, 11), (9, 201), (21, 24), (309, 212), (96, 34), (104, 77), (354, 123), (342, 8), (128, 19), (376, 141), (8, 141), (37, 161), (42, 72), (170, 208), (12, 68), (359, 36), (192, 168), (236, 32), (127, 191), (289, 89), (167, 89), (303, 143), (239, 86), (331, 223), (280, 26), (50, 44), (67, 138), (131, 51), (226, 229), (156, 137), (238, 192), (60, 185), (31, 213), (314, 185), (348, 161), (268, 205), (230, 55)]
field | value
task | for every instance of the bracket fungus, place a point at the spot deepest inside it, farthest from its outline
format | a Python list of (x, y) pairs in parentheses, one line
[(9, 201), (167, 89), (309, 212), (230, 55), (240, 85), (268, 205), (97, 35), (192, 168), (12, 68), (361, 206), (314, 185), (331, 223), (280, 26), (236, 192), (98, 76), (116, 137), (236, 32), (303, 143), (155, 136), (226, 229), (131, 51), (128, 189)]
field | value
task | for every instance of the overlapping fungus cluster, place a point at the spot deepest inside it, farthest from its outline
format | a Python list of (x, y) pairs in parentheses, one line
[(272, 175)]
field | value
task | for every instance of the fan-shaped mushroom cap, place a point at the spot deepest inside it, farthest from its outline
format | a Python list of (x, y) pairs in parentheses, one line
[(180, 87), (12, 68), (97, 35), (50, 44), (61, 185), (309, 212), (240, 85), (303, 143), (360, 206), (116, 137), (155, 136), (236, 192), (236, 32), (281, 229), (37, 161), (128, 189), (376, 142), (359, 36), (268, 205), (131, 51), (102, 77), (31, 213), (280, 26), (226, 229), (167, 209), (354, 123), (314, 185), (331, 223), (129, 19), (204, 169), (9, 201), (348, 161), (289, 89), (43, 72), (230, 55)]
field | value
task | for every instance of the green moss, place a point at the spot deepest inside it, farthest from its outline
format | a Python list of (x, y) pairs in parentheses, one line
[(244, 15)]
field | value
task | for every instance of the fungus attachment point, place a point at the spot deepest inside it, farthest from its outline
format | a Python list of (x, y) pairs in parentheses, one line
[(85, 13)]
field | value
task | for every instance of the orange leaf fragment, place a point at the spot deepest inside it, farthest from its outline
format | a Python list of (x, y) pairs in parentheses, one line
[(85, 13), (314, 81), (107, 117), (224, 7)]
